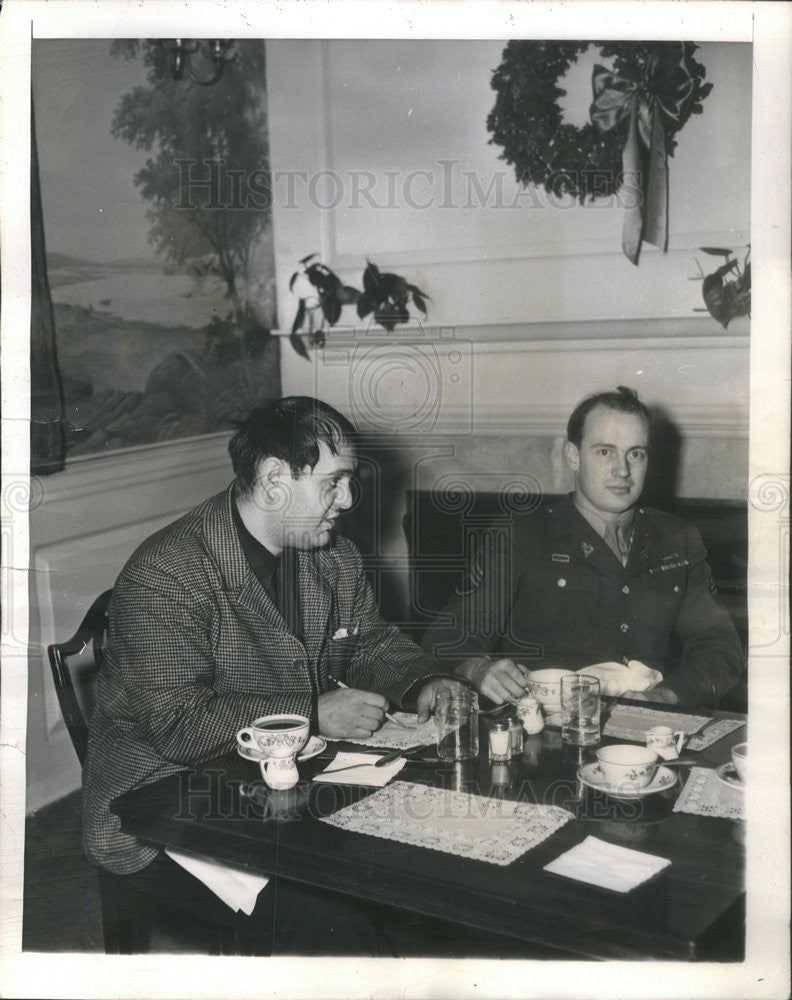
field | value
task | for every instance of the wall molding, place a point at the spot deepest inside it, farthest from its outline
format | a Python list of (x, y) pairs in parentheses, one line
[(617, 334), (142, 465), (540, 250), (543, 420)]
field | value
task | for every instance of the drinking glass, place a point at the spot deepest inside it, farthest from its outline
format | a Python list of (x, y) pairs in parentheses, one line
[(456, 720), (580, 710)]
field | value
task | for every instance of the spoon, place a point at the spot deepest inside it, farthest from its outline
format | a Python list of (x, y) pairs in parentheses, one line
[(497, 708)]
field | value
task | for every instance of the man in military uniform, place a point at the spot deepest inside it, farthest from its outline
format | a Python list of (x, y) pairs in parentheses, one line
[(596, 581)]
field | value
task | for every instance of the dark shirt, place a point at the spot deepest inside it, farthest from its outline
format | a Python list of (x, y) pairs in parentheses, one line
[(278, 576)]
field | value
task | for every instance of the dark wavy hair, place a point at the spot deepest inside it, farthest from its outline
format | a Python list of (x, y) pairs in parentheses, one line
[(291, 429), (623, 400)]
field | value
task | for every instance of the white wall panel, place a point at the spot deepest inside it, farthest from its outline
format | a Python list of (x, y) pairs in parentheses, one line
[(85, 523)]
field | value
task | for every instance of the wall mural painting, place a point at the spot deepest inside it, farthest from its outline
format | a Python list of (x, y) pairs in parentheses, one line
[(159, 269)]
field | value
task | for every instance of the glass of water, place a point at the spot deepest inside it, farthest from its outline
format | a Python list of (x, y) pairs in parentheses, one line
[(456, 720), (580, 710)]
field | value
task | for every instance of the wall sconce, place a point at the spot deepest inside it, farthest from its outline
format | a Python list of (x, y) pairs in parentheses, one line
[(214, 51)]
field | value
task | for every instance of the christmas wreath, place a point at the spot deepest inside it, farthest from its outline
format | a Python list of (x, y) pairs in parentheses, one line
[(637, 109)]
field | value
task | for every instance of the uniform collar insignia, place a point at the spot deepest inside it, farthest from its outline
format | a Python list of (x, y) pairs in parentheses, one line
[(587, 549)]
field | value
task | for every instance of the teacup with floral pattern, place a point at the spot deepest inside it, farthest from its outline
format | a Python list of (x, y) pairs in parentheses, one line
[(624, 765)]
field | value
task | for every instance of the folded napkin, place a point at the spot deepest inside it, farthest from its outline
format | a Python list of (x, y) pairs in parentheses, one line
[(607, 865), (616, 678), (237, 888), (366, 775)]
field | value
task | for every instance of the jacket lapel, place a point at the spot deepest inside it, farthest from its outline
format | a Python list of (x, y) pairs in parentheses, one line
[(240, 582), (574, 536), (316, 608), (648, 547)]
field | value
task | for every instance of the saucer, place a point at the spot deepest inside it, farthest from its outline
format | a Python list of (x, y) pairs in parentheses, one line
[(315, 745), (728, 775), (591, 775)]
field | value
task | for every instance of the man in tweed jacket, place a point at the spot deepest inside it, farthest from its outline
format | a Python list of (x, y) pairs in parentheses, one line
[(209, 629)]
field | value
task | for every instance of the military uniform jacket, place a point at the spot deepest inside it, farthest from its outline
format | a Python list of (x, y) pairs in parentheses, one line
[(197, 649), (553, 594)]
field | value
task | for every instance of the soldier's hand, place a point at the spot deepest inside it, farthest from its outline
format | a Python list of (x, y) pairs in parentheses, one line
[(349, 713), (499, 680)]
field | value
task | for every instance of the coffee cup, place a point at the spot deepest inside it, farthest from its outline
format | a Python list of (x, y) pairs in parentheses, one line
[(665, 742), (739, 756), (278, 738), (624, 765)]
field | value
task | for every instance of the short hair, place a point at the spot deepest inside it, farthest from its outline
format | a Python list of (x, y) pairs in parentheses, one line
[(290, 429), (623, 400)]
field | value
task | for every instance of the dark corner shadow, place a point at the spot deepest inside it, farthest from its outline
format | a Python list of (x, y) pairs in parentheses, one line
[(374, 522), (665, 449)]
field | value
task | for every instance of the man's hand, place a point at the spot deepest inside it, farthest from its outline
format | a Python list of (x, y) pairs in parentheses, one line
[(499, 680), (660, 695), (427, 699), (348, 713)]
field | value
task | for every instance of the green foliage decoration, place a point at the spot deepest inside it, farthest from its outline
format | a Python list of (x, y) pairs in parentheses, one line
[(527, 121), (385, 296)]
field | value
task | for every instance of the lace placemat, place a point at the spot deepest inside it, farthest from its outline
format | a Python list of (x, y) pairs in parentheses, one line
[(395, 737), (705, 794), (714, 733), (630, 722), (471, 826)]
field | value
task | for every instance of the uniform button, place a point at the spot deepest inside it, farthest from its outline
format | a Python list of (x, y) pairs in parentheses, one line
[(624, 626), (561, 582), (676, 590), (625, 589)]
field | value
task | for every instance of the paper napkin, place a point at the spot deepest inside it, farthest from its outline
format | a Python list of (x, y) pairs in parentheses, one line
[(608, 865), (366, 775), (237, 888)]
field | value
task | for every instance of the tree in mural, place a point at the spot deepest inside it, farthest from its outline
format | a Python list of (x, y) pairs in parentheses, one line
[(207, 183)]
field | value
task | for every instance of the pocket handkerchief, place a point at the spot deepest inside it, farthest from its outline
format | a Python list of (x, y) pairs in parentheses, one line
[(344, 633)]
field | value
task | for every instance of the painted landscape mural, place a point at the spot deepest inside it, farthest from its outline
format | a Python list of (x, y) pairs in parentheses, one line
[(162, 295)]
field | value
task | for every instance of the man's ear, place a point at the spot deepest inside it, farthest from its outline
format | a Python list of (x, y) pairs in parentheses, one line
[(572, 455), (270, 475)]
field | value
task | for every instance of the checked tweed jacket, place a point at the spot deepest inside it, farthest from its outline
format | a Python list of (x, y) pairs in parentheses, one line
[(197, 649)]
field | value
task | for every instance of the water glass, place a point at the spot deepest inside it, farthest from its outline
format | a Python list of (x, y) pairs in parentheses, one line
[(580, 710), (456, 720)]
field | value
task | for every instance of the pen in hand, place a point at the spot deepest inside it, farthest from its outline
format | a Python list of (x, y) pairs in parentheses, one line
[(387, 714)]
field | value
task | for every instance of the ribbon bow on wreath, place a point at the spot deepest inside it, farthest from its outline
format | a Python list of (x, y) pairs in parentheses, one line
[(658, 102)]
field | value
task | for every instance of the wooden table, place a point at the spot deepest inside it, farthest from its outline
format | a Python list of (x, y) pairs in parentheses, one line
[(680, 915)]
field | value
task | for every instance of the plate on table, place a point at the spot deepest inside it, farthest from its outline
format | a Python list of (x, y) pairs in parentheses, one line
[(314, 746), (728, 775), (592, 777)]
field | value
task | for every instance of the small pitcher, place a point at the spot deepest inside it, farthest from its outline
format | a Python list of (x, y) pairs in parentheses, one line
[(665, 742), (280, 772), (530, 714)]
